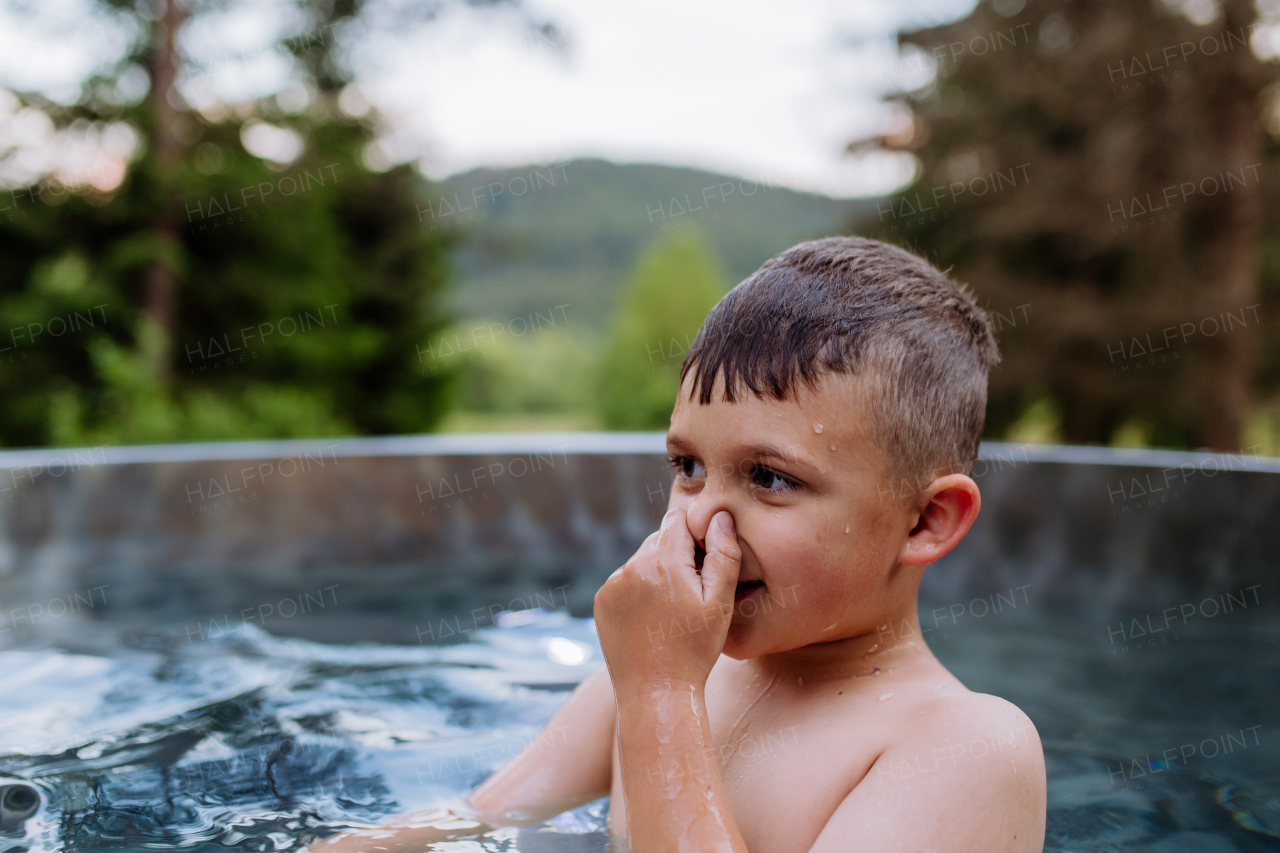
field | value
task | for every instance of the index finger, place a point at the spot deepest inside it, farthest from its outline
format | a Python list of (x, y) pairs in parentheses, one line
[(675, 542)]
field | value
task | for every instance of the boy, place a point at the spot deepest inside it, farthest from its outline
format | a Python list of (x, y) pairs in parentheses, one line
[(767, 687)]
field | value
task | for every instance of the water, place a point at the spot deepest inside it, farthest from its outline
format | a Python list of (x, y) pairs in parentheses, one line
[(1107, 710), (251, 742), (254, 742)]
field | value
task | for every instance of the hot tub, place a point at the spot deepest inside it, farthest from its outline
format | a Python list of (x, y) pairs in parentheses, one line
[(249, 645)]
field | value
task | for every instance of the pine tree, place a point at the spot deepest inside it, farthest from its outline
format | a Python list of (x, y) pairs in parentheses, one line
[(231, 296), (1049, 142)]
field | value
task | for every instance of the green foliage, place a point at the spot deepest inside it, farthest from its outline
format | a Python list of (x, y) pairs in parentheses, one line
[(300, 295), (1038, 163), (134, 406), (351, 242), (297, 315), (548, 371), (674, 284)]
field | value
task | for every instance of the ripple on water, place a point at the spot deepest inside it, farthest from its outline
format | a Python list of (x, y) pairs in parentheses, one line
[(253, 742)]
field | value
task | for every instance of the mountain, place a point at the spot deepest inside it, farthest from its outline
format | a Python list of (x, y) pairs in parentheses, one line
[(563, 237)]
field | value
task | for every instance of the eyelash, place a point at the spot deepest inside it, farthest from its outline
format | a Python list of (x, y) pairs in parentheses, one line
[(791, 485), (679, 463)]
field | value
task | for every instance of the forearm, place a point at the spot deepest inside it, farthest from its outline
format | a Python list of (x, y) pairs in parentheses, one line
[(413, 832), (675, 797), (408, 833), (566, 764)]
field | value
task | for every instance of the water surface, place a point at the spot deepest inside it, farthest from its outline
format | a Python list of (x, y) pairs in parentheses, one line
[(249, 741)]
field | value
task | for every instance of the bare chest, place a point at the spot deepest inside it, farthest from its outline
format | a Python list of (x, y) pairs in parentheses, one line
[(785, 770)]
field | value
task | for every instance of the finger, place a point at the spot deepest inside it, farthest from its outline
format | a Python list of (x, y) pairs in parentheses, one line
[(723, 560), (675, 542)]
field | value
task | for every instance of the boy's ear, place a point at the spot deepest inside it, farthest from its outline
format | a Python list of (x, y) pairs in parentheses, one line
[(947, 509)]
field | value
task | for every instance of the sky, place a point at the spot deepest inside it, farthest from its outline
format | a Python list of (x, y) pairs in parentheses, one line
[(751, 88), (760, 89)]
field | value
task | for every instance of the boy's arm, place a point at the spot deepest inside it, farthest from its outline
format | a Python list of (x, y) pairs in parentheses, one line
[(567, 764), (971, 780), (675, 797)]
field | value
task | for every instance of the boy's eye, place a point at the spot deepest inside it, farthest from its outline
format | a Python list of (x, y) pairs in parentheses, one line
[(771, 481), (688, 467)]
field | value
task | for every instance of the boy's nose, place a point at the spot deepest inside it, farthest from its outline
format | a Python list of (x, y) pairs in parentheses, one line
[(709, 501)]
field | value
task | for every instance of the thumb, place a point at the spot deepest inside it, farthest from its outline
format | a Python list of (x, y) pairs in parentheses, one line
[(724, 556)]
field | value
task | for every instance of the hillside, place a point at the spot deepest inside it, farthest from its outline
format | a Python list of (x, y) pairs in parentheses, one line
[(534, 238)]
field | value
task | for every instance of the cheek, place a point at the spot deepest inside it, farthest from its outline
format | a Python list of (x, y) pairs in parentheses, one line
[(680, 499), (788, 550), (819, 561)]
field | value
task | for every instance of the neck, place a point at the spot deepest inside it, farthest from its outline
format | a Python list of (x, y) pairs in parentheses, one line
[(894, 645)]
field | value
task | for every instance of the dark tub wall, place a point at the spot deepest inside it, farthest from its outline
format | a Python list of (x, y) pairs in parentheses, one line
[(1118, 530), (379, 530), (398, 534)]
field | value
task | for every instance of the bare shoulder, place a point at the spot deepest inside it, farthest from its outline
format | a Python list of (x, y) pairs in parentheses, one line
[(961, 771), (964, 711), (982, 735)]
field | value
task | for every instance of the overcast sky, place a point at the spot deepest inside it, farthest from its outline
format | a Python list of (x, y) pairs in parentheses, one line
[(754, 88)]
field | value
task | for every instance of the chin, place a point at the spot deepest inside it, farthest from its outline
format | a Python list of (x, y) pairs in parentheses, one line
[(734, 644), (742, 643)]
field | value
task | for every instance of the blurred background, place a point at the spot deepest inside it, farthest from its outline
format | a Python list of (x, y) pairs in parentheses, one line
[(223, 219)]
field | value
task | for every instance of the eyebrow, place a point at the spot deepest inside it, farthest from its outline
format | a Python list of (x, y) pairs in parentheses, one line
[(771, 451), (774, 452)]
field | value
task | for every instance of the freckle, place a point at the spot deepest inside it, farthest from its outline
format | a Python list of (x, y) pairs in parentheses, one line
[(885, 696), (841, 693), (817, 428)]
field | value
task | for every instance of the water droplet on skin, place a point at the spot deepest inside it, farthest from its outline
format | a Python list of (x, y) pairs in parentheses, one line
[(846, 528), (877, 672), (802, 682), (885, 696), (833, 447), (817, 428)]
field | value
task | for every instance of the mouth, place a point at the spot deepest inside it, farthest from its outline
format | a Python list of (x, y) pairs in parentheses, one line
[(746, 589)]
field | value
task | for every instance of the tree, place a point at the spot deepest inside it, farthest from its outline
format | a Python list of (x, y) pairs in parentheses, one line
[(674, 284), (1047, 154), (238, 294)]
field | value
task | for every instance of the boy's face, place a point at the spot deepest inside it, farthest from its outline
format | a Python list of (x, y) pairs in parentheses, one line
[(812, 500)]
